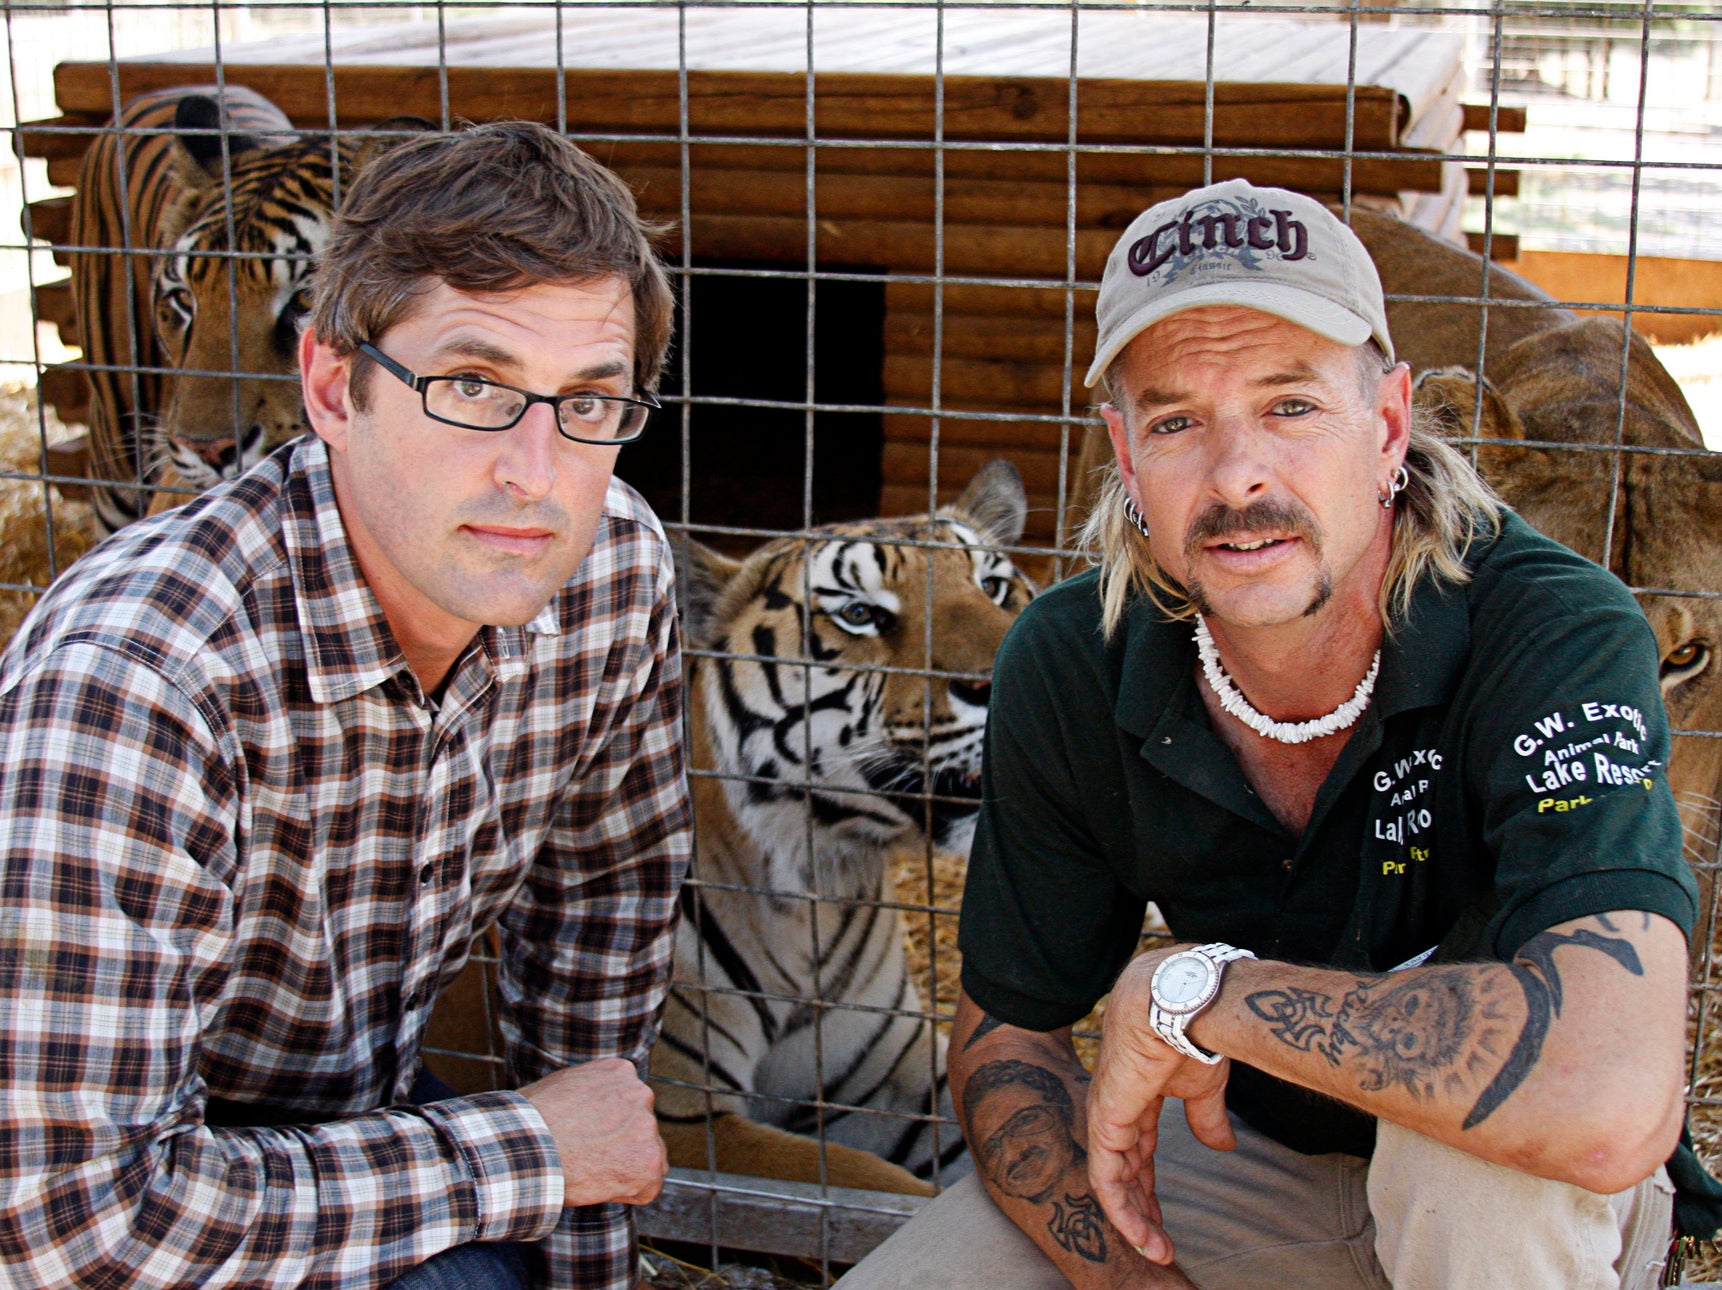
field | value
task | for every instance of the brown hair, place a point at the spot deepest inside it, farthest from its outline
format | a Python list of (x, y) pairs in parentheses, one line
[(489, 208)]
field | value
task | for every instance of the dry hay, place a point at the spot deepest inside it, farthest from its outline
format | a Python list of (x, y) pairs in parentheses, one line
[(930, 924), (1704, 1017), (1704, 1042), (25, 538), (935, 964)]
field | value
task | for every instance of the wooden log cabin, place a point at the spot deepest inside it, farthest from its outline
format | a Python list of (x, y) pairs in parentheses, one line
[(948, 181)]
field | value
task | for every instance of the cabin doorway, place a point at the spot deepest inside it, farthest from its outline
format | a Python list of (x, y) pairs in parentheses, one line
[(749, 466)]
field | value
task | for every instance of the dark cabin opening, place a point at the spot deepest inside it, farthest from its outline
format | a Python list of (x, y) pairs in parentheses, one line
[(748, 464)]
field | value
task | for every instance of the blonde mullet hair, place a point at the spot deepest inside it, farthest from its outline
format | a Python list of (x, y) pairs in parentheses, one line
[(1444, 507)]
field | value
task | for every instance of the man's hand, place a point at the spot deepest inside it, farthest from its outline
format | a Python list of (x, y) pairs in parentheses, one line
[(1134, 1075), (600, 1114)]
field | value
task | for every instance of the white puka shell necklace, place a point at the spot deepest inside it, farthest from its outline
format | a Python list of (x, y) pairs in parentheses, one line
[(1286, 732)]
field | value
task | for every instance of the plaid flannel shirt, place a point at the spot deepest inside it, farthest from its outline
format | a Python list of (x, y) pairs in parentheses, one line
[(241, 853)]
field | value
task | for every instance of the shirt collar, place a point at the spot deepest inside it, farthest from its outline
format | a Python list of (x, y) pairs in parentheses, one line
[(349, 647)]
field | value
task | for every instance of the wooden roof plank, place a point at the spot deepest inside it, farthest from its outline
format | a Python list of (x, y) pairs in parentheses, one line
[(999, 49), (764, 104), (995, 199)]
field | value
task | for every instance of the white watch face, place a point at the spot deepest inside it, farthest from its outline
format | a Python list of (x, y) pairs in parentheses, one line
[(1183, 980)]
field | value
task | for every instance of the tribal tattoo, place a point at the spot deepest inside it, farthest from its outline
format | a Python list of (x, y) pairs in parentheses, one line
[(1079, 1225), (1440, 1028), (1534, 969)]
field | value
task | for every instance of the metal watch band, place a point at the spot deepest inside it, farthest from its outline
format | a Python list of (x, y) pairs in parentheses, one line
[(1170, 1026)]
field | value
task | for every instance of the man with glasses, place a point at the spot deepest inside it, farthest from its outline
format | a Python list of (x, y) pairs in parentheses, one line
[(270, 762)]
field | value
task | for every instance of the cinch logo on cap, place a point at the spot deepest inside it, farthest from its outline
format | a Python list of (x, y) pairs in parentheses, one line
[(1244, 231)]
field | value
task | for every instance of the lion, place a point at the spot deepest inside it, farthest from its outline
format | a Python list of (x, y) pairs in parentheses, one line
[(1552, 403)]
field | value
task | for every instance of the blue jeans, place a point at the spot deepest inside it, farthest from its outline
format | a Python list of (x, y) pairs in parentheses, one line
[(482, 1265), (499, 1265)]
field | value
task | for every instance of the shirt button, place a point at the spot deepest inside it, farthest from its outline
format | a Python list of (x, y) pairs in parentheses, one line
[(1286, 864), (429, 872)]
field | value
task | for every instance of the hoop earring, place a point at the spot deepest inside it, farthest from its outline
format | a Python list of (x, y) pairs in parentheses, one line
[(1135, 516), (1395, 486)]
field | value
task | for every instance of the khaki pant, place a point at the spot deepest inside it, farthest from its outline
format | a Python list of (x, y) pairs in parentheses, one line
[(1420, 1216)]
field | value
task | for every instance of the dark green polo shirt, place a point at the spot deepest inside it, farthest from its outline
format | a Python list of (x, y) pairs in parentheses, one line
[(1509, 776)]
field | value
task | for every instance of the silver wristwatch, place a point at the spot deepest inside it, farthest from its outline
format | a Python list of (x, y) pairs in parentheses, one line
[(1182, 986)]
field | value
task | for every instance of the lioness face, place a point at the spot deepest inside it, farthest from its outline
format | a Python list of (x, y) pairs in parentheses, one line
[(1688, 634), (1648, 516)]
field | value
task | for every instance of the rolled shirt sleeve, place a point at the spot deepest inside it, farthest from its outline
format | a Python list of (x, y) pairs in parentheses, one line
[(1569, 756)]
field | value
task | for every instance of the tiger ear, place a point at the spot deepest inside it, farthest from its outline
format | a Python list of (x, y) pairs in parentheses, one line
[(996, 502), (384, 135), (198, 122), (702, 575)]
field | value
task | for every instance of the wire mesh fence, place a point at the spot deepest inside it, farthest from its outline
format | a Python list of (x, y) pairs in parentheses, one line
[(886, 223)]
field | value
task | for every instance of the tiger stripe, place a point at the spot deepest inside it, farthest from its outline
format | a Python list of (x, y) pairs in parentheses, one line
[(792, 1005)]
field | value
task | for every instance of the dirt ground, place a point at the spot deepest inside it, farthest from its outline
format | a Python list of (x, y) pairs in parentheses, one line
[(660, 1270)]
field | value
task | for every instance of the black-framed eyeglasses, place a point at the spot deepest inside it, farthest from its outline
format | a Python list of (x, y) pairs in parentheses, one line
[(477, 404)]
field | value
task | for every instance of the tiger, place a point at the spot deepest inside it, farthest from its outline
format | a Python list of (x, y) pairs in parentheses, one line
[(791, 1011), (166, 181)]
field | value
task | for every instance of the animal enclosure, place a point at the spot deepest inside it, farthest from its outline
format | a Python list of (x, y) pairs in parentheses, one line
[(886, 222)]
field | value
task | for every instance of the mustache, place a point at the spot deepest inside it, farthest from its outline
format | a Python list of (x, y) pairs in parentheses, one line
[(1292, 519)]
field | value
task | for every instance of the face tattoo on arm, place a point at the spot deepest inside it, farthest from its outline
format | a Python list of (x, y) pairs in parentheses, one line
[(1022, 1123), (1437, 1025)]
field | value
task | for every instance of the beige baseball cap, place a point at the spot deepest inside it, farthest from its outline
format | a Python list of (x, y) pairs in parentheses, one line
[(1236, 244)]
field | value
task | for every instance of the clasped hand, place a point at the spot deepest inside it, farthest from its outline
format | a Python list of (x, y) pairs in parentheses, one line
[(600, 1114), (1134, 1075)]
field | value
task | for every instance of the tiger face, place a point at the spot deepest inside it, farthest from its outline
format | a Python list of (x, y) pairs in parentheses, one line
[(845, 698), (230, 290), (227, 312)]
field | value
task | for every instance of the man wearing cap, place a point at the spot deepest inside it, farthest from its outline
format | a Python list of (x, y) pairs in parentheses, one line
[(1390, 764)]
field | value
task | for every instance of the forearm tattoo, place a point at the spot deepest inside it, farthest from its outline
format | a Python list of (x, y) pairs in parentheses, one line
[(1079, 1226), (1437, 1030), (1022, 1130), (988, 1024), (1534, 969)]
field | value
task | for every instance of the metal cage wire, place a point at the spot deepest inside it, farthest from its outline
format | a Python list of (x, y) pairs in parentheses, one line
[(1553, 57)]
